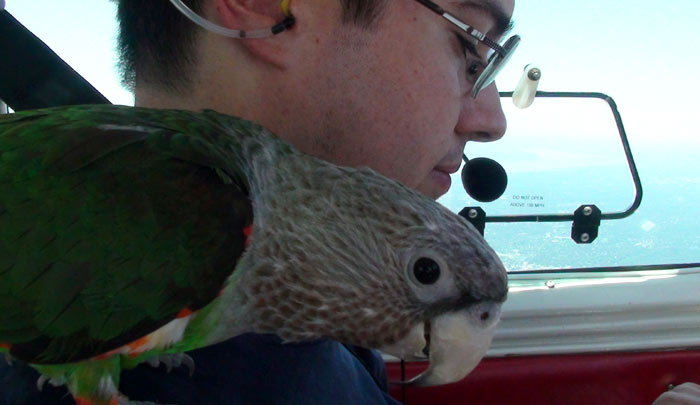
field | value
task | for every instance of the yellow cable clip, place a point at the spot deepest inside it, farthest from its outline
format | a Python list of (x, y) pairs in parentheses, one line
[(285, 8)]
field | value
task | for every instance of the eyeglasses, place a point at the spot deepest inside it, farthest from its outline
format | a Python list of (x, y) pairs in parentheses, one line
[(479, 74)]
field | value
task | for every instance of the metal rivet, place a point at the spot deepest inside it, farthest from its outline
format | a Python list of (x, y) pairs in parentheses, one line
[(534, 74), (473, 214), (587, 211), (550, 284), (585, 237)]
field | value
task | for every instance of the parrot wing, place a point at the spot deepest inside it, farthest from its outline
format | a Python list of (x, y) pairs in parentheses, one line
[(113, 220)]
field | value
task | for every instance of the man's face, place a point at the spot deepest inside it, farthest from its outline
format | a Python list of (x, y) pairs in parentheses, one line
[(395, 97)]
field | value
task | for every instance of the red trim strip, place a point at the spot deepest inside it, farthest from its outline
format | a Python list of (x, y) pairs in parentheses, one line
[(601, 379)]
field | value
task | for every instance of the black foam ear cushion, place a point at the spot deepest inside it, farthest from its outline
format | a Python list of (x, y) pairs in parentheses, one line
[(484, 179)]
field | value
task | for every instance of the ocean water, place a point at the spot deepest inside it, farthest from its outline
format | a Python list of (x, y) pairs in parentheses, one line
[(665, 229), (562, 153)]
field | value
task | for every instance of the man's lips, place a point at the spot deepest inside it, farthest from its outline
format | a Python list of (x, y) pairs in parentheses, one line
[(449, 169), (441, 176)]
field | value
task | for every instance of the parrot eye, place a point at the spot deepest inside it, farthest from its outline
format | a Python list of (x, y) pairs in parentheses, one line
[(426, 270)]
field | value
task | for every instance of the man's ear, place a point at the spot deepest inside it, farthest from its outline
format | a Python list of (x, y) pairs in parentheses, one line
[(253, 15)]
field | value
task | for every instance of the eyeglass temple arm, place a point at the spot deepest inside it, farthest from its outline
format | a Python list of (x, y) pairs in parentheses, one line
[(468, 29), (432, 6)]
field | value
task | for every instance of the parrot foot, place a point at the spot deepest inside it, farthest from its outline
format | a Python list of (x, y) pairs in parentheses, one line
[(8, 358), (173, 361), (42, 380)]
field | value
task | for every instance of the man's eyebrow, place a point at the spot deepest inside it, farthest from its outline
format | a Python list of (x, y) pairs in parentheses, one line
[(503, 22)]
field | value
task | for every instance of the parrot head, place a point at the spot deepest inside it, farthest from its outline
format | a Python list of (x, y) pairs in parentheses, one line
[(361, 259)]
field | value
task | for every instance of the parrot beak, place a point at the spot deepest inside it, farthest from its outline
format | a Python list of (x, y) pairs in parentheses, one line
[(457, 343), (410, 347)]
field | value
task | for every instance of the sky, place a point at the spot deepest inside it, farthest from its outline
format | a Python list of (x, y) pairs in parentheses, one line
[(643, 53), (640, 52)]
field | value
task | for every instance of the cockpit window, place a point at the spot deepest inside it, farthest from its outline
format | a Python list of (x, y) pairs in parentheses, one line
[(562, 153), (559, 154), (83, 34)]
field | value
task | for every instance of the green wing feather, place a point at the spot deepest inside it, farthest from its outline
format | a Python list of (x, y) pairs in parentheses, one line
[(112, 220)]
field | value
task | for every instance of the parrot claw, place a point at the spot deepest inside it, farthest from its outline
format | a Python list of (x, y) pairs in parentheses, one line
[(42, 380), (189, 362), (173, 361), (8, 358)]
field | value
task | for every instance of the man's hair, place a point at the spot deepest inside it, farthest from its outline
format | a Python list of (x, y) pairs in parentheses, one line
[(157, 43)]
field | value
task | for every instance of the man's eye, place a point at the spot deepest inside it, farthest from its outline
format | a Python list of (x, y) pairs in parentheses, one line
[(474, 69), (474, 66)]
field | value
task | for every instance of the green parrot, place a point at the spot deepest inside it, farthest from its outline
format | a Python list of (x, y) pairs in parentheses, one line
[(132, 235)]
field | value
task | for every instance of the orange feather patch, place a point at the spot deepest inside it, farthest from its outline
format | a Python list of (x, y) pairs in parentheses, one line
[(136, 344), (161, 336), (87, 401), (107, 354), (185, 312), (247, 231), (132, 349)]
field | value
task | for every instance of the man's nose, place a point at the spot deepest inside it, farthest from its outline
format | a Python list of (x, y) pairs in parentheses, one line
[(482, 118)]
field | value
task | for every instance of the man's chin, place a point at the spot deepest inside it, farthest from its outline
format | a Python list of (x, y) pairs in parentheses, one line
[(433, 189)]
